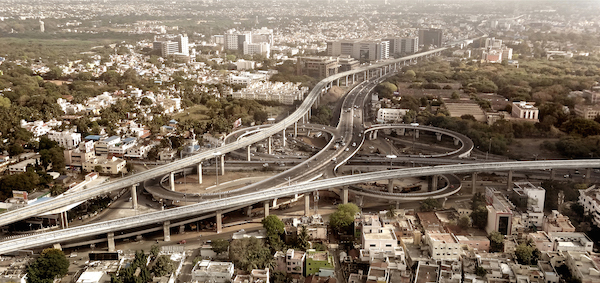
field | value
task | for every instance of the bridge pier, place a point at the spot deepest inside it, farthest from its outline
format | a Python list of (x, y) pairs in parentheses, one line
[(473, 182), (172, 181), (417, 134), (222, 164), (588, 175), (248, 155), (219, 221), (274, 203), (401, 132), (456, 141), (64, 220), (266, 206), (552, 174), (200, 173), (283, 138), (181, 229), (306, 204), (249, 211), (111, 241), (509, 180), (270, 141), (134, 200), (296, 129), (438, 136), (167, 231), (344, 196), (390, 186), (434, 182)]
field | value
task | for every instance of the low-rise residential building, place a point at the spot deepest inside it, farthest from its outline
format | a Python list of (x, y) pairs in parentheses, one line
[(21, 167), (285, 93), (571, 241), (120, 149), (291, 262), (317, 260), (583, 266), (478, 243), (587, 111), (83, 153), (111, 165), (138, 151), (65, 139), (381, 238), (500, 214), (103, 145), (443, 245), (590, 200), (426, 273), (390, 115), (212, 271), (529, 199), (541, 240), (556, 222)]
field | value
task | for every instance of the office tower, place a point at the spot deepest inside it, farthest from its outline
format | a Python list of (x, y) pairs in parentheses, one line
[(430, 37), (361, 50), (182, 41), (262, 48), (409, 45)]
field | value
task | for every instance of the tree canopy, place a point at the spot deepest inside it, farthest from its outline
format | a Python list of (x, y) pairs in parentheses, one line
[(51, 264)]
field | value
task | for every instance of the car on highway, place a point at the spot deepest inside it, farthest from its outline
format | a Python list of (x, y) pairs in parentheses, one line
[(353, 144)]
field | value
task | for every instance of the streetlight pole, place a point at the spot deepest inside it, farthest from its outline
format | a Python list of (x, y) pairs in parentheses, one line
[(489, 149)]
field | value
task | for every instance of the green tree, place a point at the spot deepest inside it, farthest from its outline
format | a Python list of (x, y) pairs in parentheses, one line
[(51, 264), (250, 253), (430, 204), (4, 102), (480, 271), (154, 250), (146, 101), (164, 266), (496, 241), (275, 228), (302, 240), (479, 217), (219, 245), (524, 253), (343, 218), (98, 168), (464, 221)]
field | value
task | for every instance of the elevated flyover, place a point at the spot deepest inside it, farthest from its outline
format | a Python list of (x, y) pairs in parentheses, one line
[(273, 193), (303, 112)]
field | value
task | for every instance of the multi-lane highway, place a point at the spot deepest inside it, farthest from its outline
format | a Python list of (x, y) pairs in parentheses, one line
[(273, 193)]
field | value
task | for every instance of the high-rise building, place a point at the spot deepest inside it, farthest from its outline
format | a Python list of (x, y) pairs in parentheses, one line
[(257, 48), (430, 37), (409, 45), (182, 41), (234, 40), (360, 50)]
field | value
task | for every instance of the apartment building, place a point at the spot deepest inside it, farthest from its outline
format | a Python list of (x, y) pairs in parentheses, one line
[(65, 139)]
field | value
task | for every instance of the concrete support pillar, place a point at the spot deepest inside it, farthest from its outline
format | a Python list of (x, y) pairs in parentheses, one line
[(222, 164), (434, 182), (111, 241), (438, 136), (248, 155), (390, 186), (181, 229), (552, 174), (474, 182), (274, 203), (172, 181), (270, 141), (417, 134), (167, 231), (295, 129), (283, 137), (134, 200), (456, 141), (375, 134), (64, 221), (344, 196), (337, 82), (57, 246), (303, 119), (306, 204), (249, 210), (509, 181), (199, 173), (588, 175), (219, 221), (266, 206)]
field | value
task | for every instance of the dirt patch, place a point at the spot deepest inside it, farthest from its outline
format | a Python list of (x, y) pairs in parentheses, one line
[(530, 149)]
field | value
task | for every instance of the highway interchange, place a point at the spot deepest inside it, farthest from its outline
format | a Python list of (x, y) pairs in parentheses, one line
[(350, 133)]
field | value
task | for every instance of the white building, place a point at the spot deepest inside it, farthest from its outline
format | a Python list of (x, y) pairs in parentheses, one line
[(390, 115), (443, 245), (500, 214), (22, 166), (211, 271), (121, 148), (285, 93), (571, 241), (382, 238), (532, 199), (583, 266), (525, 110), (39, 128), (589, 199), (262, 48), (139, 151), (103, 145), (242, 64), (66, 139), (112, 165)]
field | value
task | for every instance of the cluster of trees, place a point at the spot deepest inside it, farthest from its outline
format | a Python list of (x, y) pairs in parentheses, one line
[(430, 204), (275, 229), (342, 220), (322, 116), (250, 253), (286, 72), (480, 213), (50, 265), (527, 253), (496, 242), (128, 275)]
